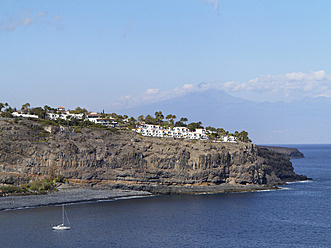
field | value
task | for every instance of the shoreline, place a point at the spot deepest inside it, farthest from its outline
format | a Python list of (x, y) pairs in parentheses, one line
[(66, 196), (71, 195)]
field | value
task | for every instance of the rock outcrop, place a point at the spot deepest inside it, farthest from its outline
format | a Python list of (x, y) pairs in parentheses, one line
[(287, 151), (114, 159)]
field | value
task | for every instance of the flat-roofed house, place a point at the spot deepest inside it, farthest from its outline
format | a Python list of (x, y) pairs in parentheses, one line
[(61, 109)]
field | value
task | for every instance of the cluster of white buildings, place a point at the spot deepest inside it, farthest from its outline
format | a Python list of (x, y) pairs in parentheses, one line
[(176, 132), (62, 114), (66, 115), (143, 129)]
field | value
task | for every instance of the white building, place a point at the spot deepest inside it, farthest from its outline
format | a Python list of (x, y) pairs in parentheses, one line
[(61, 109), (176, 132), (97, 119), (63, 115), (230, 139), (93, 116), (20, 114)]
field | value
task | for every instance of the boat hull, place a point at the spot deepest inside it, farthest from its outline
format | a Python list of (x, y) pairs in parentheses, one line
[(60, 227)]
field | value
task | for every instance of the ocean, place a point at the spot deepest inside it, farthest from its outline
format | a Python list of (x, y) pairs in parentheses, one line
[(298, 215)]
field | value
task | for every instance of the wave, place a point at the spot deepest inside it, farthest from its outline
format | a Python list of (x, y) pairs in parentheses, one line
[(304, 181), (132, 197)]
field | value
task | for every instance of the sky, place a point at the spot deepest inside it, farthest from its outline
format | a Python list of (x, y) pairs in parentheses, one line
[(114, 54)]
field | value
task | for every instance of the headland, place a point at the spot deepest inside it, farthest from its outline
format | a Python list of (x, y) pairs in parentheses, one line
[(108, 160)]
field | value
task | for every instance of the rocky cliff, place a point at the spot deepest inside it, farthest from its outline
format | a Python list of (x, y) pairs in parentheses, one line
[(287, 151), (116, 159)]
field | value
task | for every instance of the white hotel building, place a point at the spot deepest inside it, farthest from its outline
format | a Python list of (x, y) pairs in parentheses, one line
[(176, 132)]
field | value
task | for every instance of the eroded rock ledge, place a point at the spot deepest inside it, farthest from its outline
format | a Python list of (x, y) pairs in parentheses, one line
[(126, 160), (287, 151)]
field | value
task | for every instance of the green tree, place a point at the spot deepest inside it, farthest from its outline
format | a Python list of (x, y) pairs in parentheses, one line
[(243, 136), (79, 110), (103, 115), (25, 106), (180, 124), (47, 108), (7, 113), (221, 132), (38, 111), (132, 122), (141, 118), (194, 125), (171, 118), (183, 119), (211, 129), (159, 117), (150, 120), (1, 106)]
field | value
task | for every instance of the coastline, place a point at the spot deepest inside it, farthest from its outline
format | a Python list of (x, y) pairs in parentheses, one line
[(199, 189), (65, 196), (80, 195)]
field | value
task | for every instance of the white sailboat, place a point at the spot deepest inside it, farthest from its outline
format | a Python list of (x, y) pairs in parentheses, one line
[(62, 226)]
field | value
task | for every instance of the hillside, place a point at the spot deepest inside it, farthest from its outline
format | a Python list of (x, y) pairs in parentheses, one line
[(123, 159)]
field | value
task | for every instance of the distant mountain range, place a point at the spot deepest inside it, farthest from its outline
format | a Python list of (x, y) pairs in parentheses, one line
[(303, 121)]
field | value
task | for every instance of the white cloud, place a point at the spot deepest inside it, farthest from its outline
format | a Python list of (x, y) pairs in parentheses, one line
[(156, 95), (285, 87), (42, 13), (288, 86), (25, 19), (214, 2), (188, 86), (152, 91)]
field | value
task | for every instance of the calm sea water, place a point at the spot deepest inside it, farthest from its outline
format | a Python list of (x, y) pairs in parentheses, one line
[(297, 216)]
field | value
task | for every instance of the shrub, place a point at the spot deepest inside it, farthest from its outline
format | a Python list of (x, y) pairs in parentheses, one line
[(77, 130), (11, 189)]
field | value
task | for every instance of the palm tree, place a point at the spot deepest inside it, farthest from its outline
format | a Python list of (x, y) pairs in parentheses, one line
[(159, 116), (47, 108), (141, 118), (183, 119), (171, 118), (25, 106)]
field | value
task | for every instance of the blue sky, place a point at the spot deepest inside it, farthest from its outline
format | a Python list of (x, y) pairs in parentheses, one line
[(108, 54)]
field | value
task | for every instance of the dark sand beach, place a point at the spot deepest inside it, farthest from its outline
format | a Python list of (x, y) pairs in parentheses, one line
[(68, 195)]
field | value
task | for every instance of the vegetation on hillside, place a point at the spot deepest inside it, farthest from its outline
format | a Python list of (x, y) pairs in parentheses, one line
[(36, 187), (124, 122)]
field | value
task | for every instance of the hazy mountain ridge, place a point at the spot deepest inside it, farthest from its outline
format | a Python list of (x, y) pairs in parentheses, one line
[(299, 121)]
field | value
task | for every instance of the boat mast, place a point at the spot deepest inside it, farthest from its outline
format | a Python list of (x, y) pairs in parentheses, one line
[(63, 214)]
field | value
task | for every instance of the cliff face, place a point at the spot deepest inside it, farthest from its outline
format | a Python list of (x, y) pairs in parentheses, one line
[(289, 152), (28, 149)]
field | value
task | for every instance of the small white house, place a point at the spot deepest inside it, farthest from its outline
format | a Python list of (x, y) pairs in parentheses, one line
[(93, 117), (63, 115), (20, 114), (61, 109), (200, 131), (230, 139)]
